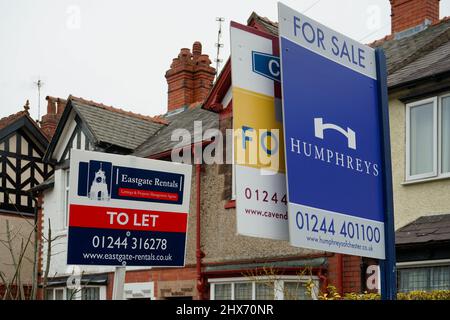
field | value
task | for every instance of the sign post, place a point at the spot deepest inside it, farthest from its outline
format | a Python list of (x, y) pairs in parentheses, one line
[(127, 211), (119, 283), (337, 143), (388, 266)]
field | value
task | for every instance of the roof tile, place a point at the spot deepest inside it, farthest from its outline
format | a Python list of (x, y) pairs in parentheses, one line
[(116, 126), (162, 140), (425, 229)]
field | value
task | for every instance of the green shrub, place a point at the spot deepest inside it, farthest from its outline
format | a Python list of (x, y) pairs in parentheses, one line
[(331, 293), (413, 295)]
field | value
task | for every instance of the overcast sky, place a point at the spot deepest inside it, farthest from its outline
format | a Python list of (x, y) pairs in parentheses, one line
[(117, 52)]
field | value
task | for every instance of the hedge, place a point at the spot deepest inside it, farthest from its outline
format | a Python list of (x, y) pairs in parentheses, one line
[(413, 295)]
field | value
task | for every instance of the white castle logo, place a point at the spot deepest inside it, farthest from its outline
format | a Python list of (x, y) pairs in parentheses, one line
[(99, 187)]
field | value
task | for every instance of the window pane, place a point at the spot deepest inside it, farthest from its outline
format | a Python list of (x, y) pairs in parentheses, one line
[(222, 291), (70, 294), (427, 279), (446, 135), (413, 279), (59, 294), (48, 294), (265, 291), (243, 291), (421, 139), (90, 293), (440, 278), (295, 291)]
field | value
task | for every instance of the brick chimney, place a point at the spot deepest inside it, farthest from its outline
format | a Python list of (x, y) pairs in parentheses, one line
[(189, 78), (407, 14), (49, 121)]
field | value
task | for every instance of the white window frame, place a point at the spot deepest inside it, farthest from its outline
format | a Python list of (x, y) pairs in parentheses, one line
[(440, 137), (80, 294), (54, 290), (278, 284), (77, 295), (435, 171), (422, 264), (141, 290)]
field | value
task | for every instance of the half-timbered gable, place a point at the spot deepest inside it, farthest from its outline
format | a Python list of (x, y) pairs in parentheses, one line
[(22, 148)]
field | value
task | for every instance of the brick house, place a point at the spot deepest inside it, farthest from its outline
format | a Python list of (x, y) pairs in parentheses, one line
[(217, 259), (223, 265)]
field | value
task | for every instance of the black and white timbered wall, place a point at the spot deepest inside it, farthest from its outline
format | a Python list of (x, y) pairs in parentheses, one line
[(21, 168), (80, 139)]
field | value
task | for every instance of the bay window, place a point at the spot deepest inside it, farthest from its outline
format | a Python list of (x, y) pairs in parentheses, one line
[(426, 278), (262, 288)]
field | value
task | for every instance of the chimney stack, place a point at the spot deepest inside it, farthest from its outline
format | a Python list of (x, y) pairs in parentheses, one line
[(189, 78), (407, 14), (49, 122)]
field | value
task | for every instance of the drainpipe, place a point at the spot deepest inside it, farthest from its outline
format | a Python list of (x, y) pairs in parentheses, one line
[(34, 281), (199, 253)]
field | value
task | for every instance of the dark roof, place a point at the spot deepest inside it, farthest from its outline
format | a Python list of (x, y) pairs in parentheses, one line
[(425, 229), (86, 279), (265, 23), (419, 56), (422, 55), (115, 126), (181, 119)]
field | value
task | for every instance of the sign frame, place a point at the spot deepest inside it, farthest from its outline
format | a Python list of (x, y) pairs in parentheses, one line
[(257, 108), (141, 204), (375, 71)]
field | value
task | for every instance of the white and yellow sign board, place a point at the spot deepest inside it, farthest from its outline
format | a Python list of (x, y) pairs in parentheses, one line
[(261, 202)]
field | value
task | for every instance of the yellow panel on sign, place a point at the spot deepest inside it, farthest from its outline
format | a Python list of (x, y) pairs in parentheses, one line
[(259, 141)]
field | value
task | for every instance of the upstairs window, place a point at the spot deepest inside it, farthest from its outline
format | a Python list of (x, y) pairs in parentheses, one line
[(428, 139), (445, 141)]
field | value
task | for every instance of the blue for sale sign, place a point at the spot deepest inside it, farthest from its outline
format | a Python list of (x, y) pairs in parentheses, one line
[(332, 133)]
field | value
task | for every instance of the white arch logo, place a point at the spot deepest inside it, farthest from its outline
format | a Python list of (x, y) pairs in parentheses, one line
[(320, 127)]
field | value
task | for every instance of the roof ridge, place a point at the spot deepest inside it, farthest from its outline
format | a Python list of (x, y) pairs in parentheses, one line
[(264, 23), (265, 19), (379, 42), (389, 37), (118, 110), (5, 121)]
